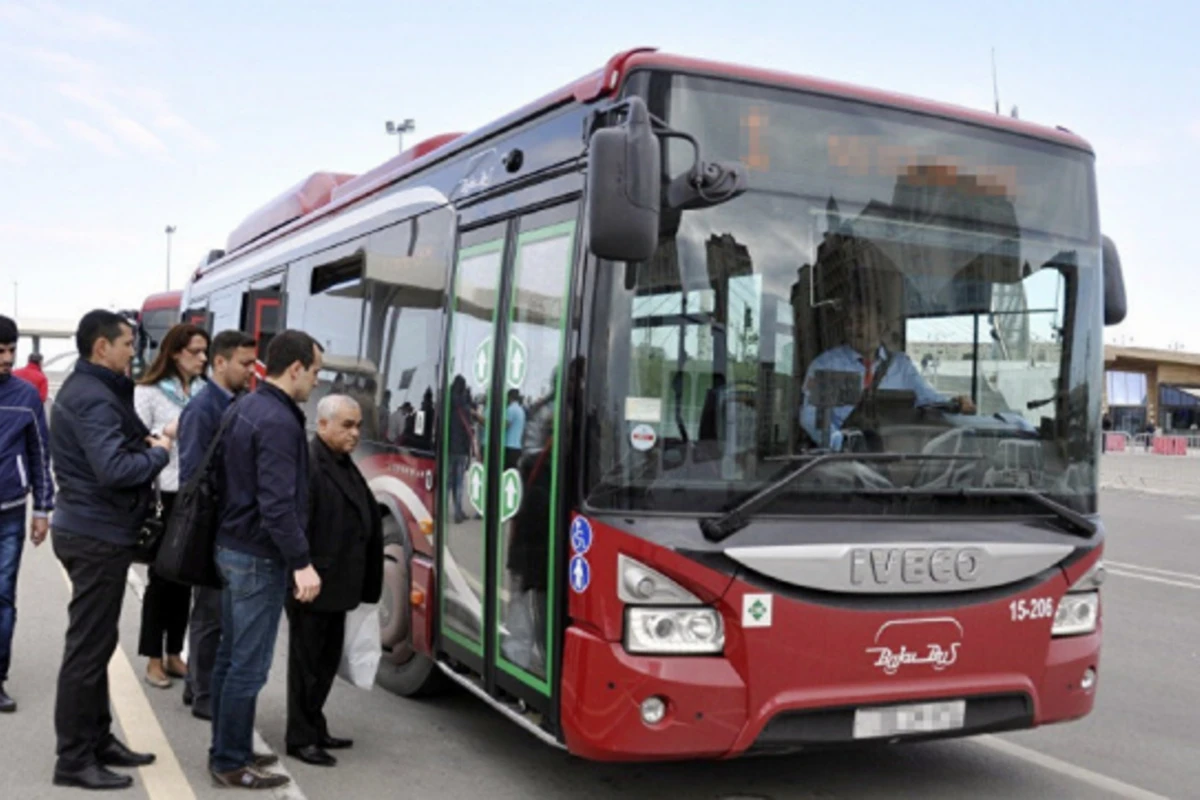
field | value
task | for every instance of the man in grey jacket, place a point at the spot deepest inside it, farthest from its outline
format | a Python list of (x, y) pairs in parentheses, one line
[(104, 461)]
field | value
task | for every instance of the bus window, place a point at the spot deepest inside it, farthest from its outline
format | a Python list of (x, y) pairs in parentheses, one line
[(407, 268), (333, 315)]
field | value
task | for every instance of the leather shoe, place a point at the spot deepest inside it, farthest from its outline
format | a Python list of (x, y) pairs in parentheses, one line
[(249, 778), (334, 743), (202, 712), (93, 776), (188, 696), (264, 760), (7, 704), (116, 754), (312, 754)]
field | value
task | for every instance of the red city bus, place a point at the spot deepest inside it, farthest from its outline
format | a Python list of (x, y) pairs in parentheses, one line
[(713, 410), (159, 312)]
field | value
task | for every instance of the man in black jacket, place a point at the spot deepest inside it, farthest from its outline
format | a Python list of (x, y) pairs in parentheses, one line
[(104, 461), (260, 540), (232, 357), (345, 539)]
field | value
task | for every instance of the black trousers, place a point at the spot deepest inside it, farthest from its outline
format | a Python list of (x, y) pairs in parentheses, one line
[(165, 608), (204, 634), (82, 716), (314, 651)]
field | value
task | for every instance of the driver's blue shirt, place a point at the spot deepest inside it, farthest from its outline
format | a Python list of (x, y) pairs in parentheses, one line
[(901, 375)]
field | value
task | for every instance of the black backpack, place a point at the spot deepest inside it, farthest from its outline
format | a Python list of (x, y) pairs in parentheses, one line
[(187, 554)]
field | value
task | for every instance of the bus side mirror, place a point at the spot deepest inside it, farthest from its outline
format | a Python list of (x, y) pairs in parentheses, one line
[(624, 187), (1114, 285)]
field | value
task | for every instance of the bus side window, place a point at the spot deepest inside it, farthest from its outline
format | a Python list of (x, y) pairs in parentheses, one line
[(407, 272), (333, 316)]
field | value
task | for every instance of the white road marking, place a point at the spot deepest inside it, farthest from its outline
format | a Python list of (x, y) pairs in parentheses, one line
[(291, 791), (1116, 787), (1153, 579), (1138, 568)]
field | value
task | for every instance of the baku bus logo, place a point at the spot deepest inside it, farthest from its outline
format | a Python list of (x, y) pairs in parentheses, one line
[(932, 642)]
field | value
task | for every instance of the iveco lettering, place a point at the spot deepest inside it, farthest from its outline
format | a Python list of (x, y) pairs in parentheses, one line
[(814, 372)]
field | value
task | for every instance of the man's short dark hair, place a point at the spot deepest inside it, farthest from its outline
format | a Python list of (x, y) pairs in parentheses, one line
[(96, 325), (35, 358), (8, 331), (287, 348), (226, 342)]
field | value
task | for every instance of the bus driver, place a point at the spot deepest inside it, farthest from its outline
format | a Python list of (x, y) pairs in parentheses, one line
[(865, 353)]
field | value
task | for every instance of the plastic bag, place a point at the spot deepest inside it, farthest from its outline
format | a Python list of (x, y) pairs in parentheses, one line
[(362, 648)]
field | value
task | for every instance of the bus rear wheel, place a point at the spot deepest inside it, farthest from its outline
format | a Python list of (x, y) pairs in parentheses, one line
[(403, 670)]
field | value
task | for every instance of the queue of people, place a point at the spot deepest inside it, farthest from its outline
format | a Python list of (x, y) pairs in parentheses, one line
[(297, 530)]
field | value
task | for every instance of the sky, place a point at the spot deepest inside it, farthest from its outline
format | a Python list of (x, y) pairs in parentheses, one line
[(119, 118)]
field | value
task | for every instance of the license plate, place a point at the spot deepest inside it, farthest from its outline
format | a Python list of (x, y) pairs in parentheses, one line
[(871, 723)]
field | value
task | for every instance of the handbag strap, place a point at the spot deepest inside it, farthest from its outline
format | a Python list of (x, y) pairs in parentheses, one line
[(202, 469)]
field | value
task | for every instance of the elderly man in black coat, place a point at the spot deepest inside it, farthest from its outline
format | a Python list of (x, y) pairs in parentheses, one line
[(345, 536)]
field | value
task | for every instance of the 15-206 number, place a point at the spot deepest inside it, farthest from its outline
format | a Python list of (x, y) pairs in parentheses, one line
[(1037, 608)]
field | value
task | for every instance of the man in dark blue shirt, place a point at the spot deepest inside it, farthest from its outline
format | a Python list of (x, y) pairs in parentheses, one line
[(24, 471), (232, 358), (260, 540), (104, 460)]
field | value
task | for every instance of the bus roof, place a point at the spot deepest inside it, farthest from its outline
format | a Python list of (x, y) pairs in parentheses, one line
[(591, 87), (162, 300)]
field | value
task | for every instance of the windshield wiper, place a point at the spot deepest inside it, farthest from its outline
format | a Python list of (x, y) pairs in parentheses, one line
[(1066, 514), (739, 516)]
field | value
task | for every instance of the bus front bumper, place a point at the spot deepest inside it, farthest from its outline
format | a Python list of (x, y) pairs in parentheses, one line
[(711, 713)]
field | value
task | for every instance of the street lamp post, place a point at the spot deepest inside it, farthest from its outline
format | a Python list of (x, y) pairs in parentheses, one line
[(408, 126), (169, 230)]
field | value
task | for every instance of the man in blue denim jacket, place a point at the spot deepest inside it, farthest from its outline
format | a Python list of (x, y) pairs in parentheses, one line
[(260, 540), (24, 470)]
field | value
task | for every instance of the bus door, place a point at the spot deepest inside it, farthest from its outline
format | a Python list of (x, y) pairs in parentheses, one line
[(501, 515), (264, 317)]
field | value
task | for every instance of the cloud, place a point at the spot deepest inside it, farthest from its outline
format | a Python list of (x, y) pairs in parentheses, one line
[(8, 155), (51, 20), (58, 61), (93, 136), (30, 131), (127, 129), (62, 234), (173, 123)]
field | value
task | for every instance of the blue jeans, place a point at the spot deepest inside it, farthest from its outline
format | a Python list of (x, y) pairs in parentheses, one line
[(12, 542), (251, 605)]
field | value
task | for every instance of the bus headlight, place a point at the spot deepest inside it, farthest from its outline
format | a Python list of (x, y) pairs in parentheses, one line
[(1077, 614), (674, 631)]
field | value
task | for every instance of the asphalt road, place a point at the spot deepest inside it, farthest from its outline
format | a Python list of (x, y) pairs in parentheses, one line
[(1143, 740)]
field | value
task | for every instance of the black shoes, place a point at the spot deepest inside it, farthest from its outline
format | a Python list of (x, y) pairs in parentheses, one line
[(333, 743), (188, 696), (312, 754), (7, 704), (94, 777), (116, 754), (202, 712)]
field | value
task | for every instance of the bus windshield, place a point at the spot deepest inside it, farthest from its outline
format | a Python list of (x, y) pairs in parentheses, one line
[(890, 283)]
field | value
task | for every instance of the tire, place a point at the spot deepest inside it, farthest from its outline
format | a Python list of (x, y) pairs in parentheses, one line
[(402, 669)]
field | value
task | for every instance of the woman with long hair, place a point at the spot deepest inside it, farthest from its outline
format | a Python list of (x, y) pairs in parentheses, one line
[(167, 386)]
